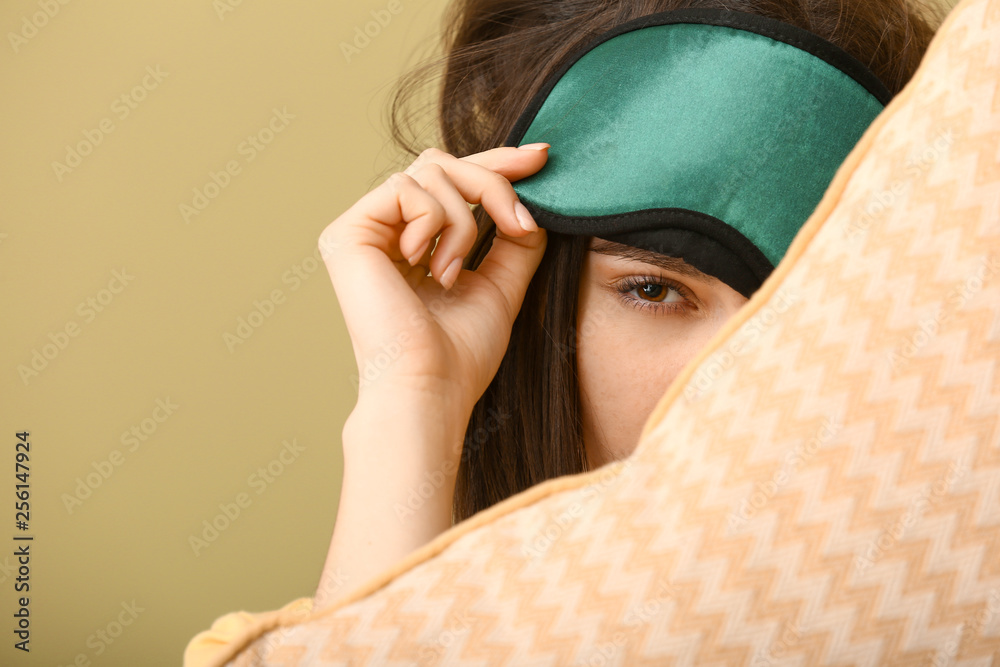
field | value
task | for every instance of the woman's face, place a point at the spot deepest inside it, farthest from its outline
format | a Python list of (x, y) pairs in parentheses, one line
[(642, 316)]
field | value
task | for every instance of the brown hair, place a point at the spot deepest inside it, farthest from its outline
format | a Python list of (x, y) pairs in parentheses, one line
[(526, 427)]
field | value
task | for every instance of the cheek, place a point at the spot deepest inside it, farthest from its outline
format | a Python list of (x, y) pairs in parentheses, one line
[(624, 368), (625, 374)]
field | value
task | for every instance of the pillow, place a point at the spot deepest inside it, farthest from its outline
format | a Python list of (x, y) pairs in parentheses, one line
[(821, 485)]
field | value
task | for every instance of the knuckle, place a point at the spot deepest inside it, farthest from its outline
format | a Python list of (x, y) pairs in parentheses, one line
[(431, 153), (430, 158), (499, 181), (494, 177), (397, 180), (434, 169)]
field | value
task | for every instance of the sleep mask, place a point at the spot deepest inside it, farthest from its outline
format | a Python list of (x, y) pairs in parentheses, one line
[(709, 135)]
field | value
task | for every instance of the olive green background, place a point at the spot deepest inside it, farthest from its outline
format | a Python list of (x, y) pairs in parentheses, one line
[(113, 517)]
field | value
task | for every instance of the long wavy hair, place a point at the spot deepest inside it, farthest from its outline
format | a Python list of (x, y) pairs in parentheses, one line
[(526, 427)]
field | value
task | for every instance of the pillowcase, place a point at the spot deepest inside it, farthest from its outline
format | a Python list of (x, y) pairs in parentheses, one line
[(821, 485)]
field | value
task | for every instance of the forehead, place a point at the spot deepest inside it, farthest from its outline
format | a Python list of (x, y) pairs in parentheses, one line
[(630, 253)]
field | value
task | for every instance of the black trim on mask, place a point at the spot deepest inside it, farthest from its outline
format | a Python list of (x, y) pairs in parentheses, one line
[(701, 240)]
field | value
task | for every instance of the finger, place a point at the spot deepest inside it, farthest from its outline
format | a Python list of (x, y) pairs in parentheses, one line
[(383, 216), (378, 205), (458, 232), (414, 275), (512, 163), (420, 269), (357, 242), (481, 185)]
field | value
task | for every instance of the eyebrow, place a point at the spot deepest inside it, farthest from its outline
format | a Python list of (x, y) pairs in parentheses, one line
[(665, 262)]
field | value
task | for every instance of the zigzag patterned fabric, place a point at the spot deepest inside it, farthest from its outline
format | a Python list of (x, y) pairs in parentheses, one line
[(821, 486)]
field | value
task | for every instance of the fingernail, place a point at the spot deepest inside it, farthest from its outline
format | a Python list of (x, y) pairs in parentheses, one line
[(535, 147), (524, 218), (418, 254), (451, 273)]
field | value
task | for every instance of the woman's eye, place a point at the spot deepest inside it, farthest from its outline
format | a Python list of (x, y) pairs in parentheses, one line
[(655, 293), (658, 293)]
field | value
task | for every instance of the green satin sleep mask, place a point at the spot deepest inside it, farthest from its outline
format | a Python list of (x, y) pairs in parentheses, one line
[(705, 134)]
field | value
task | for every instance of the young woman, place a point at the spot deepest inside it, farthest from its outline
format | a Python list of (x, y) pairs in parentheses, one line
[(494, 354)]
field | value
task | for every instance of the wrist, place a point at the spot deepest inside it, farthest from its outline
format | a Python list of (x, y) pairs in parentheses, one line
[(415, 427), (438, 393)]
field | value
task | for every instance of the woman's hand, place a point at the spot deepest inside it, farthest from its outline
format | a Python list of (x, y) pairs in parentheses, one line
[(436, 339), (425, 353)]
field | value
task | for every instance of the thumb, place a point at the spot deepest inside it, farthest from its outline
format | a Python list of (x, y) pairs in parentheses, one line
[(510, 264)]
